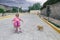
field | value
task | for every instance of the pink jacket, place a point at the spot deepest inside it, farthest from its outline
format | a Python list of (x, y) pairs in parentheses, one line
[(16, 22)]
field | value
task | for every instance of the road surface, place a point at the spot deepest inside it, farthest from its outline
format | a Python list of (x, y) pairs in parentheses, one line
[(29, 29)]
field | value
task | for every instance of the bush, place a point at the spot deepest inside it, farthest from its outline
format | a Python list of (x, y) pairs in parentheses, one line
[(55, 24), (35, 6), (1, 10), (49, 2)]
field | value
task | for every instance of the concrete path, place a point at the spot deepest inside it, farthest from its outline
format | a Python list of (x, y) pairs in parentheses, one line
[(29, 29)]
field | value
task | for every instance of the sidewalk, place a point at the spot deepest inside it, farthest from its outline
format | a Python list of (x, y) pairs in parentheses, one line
[(53, 20)]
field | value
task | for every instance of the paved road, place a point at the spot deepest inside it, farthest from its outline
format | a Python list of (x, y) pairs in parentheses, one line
[(29, 29)]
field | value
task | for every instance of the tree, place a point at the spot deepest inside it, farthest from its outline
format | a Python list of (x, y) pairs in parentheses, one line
[(48, 11), (35, 6), (49, 2), (20, 9), (8, 11), (2, 11), (30, 8), (15, 9)]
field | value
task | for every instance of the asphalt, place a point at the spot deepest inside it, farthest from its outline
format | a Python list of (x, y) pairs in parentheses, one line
[(29, 29)]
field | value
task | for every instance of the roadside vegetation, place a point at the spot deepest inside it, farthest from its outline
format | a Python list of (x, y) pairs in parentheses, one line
[(49, 2)]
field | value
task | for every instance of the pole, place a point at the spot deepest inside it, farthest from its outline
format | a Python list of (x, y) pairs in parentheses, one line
[(18, 9)]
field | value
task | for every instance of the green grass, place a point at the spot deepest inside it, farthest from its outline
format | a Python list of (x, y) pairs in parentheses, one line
[(55, 24)]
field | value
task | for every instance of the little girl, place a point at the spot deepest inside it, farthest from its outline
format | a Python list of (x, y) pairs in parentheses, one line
[(16, 22)]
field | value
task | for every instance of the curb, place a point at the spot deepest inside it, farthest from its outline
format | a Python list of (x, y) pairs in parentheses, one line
[(4, 17), (53, 26), (9, 16)]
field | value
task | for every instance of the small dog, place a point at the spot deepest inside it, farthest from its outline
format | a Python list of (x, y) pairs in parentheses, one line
[(40, 27)]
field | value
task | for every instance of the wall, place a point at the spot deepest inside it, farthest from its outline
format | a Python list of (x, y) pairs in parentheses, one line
[(55, 11), (35, 11)]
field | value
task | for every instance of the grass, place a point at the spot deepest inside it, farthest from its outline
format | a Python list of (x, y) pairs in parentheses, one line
[(55, 24)]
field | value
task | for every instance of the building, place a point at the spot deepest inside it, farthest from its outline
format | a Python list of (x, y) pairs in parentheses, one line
[(35, 11), (5, 7)]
